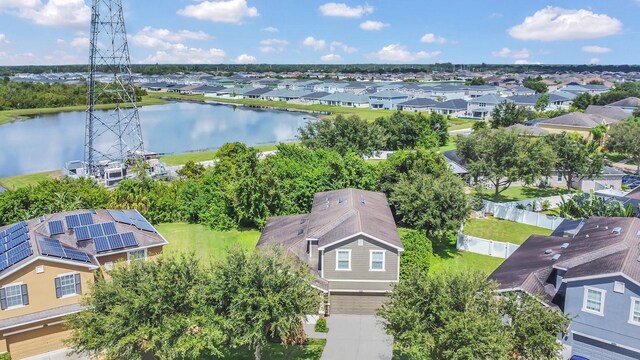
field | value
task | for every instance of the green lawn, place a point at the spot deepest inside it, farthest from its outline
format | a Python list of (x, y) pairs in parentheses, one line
[(312, 350), (23, 114), (502, 230), (459, 124), (451, 144), (19, 181), (464, 261), (516, 193), (181, 159), (207, 244)]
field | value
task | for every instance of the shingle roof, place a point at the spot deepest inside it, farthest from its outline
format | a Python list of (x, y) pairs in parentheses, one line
[(419, 102), (488, 99), (579, 119), (595, 250), (608, 111), (389, 94), (628, 102), (453, 104), (527, 130)]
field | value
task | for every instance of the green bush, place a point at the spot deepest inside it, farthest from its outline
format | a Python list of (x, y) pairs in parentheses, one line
[(5, 356), (321, 325)]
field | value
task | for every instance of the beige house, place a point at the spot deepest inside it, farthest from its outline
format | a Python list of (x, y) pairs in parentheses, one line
[(580, 123), (47, 264), (351, 244)]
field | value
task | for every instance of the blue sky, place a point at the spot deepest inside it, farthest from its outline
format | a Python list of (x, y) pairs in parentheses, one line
[(312, 31)]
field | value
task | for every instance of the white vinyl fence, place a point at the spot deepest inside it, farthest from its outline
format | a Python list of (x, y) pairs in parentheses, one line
[(485, 247), (510, 211)]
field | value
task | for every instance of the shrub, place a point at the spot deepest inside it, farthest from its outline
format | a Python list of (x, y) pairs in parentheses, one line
[(5, 356), (546, 205), (321, 325)]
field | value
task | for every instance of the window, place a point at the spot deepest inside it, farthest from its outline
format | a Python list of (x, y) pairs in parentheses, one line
[(137, 255), (343, 260), (559, 175), (68, 285), (634, 316), (13, 296), (593, 301), (376, 260)]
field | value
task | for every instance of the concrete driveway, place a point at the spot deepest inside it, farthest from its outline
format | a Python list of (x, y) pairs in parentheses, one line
[(357, 337)]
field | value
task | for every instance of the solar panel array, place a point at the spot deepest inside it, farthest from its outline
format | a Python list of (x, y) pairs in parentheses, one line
[(95, 230), (14, 245), (55, 227), (77, 220), (53, 247), (132, 217), (115, 242)]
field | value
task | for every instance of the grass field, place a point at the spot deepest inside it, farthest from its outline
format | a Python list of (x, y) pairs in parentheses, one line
[(7, 116), (180, 159), (207, 244), (516, 193), (19, 181), (312, 350), (502, 230), (464, 261)]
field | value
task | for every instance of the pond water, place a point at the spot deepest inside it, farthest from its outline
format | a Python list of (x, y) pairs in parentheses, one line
[(47, 142)]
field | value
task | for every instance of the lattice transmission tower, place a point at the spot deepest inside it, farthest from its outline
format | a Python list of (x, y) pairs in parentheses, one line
[(116, 135)]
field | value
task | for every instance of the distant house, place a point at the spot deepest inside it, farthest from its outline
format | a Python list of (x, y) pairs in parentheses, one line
[(481, 107), (592, 274), (284, 95), (611, 112), (256, 93), (313, 98), (387, 99), (346, 100), (629, 104), (454, 107), (480, 90), (521, 91), (448, 91), (351, 244), (590, 89), (577, 122), (48, 264), (556, 102), (417, 105)]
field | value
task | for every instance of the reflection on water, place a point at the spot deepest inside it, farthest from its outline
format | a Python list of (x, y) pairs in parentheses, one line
[(48, 141)]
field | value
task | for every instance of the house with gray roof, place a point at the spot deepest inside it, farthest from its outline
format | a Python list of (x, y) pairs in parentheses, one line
[(448, 91), (387, 99), (351, 244), (481, 107), (556, 102), (346, 100), (256, 93), (454, 107), (417, 105), (313, 98), (592, 274), (521, 91), (608, 111), (474, 91), (284, 95), (577, 122), (629, 104)]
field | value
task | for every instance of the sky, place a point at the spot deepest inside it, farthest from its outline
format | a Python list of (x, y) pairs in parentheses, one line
[(51, 32)]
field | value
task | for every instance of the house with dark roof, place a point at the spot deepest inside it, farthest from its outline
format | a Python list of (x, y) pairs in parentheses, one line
[(611, 112), (592, 274), (628, 104), (351, 244), (387, 99), (417, 105), (455, 107), (48, 264), (481, 107)]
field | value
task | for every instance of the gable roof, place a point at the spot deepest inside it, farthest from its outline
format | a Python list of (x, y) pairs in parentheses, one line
[(607, 111), (453, 104), (628, 102), (488, 99), (595, 250), (388, 94), (578, 119), (419, 102)]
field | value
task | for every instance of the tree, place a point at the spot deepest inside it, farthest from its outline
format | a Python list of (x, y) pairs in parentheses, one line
[(479, 125), (502, 157), (458, 315), (401, 163), (636, 112), (623, 138), (595, 82), (343, 134), (536, 85), (478, 80), (507, 113), (417, 253), (576, 157), (581, 206), (264, 295), (598, 133), (583, 101), (434, 203), (160, 308), (191, 170), (542, 103)]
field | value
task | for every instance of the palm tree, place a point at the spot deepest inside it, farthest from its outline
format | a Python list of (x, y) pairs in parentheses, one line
[(598, 133)]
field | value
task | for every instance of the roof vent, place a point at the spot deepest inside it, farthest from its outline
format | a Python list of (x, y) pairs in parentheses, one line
[(638, 233), (302, 221), (42, 218), (597, 226), (587, 236), (616, 230), (606, 228), (555, 257), (300, 232), (564, 246), (548, 252), (362, 199), (342, 199)]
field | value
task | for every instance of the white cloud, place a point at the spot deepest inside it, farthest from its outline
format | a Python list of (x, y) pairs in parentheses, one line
[(224, 11), (370, 25), (399, 53), (273, 45), (342, 46), (3, 38), (270, 29), (150, 37), (508, 53), (555, 23), (526, 62), (343, 10), (432, 38), (181, 54), (594, 61), (80, 42), (60, 13), (595, 49), (331, 58), (315, 44), (246, 59)]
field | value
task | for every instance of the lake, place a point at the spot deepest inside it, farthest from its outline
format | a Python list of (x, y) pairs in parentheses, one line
[(47, 142)]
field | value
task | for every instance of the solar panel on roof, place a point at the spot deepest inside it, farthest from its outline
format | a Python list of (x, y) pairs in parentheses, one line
[(82, 233), (55, 227), (17, 254), (77, 255), (129, 239), (95, 230), (144, 225), (85, 219), (115, 242), (119, 216), (73, 221), (53, 247), (102, 244), (109, 228)]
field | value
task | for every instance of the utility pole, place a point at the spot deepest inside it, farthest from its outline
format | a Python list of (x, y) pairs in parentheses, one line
[(114, 135)]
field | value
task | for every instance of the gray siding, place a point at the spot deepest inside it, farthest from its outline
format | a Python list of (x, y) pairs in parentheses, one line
[(360, 261), (592, 349), (614, 325)]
